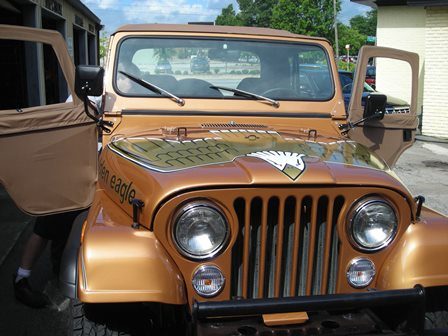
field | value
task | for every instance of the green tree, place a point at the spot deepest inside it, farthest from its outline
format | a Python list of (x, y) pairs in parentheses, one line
[(164, 54), (256, 13), (365, 24), (308, 17), (104, 45), (351, 36), (228, 17)]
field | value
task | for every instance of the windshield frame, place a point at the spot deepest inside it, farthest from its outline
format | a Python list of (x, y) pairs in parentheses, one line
[(224, 40)]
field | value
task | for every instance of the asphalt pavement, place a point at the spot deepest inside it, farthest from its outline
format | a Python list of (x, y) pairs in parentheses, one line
[(423, 168)]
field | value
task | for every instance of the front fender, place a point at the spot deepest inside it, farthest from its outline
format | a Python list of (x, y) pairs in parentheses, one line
[(420, 257), (120, 264)]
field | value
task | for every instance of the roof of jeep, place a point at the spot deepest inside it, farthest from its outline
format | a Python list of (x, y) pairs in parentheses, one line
[(190, 28)]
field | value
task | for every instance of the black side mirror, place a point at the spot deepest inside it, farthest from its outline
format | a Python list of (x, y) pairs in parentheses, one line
[(375, 106), (89, 80)]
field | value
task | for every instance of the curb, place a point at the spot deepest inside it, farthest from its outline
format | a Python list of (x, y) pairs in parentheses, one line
[(426, 138)]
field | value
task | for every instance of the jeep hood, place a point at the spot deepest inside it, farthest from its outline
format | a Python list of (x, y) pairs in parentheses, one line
[(153, 167), (285, 153)]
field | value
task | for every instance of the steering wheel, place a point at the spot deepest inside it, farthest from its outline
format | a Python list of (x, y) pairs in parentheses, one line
[(280, 92)]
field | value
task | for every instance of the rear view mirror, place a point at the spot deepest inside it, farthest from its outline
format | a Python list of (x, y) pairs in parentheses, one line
[(89, 80), (375, 106)]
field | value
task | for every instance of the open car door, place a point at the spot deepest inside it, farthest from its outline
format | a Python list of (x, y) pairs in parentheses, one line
[(48, 153), (392, 135)]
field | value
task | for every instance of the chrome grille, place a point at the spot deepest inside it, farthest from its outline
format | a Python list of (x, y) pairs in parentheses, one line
[(286, 246)]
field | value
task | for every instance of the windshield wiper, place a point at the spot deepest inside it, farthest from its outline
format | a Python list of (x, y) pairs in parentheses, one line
[(153, 88), (247, 95)]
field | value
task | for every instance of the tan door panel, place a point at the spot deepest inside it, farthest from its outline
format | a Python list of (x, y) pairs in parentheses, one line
[(392, 135), (48, 153)]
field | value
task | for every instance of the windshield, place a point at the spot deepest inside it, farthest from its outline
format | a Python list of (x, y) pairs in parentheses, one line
[(188, 68)]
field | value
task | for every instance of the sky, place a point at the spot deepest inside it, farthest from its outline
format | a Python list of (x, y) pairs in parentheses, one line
[(114, 13)]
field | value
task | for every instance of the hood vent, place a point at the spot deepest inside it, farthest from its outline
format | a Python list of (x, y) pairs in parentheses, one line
[(232, 125)]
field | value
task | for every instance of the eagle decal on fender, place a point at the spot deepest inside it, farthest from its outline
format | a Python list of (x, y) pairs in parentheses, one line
[(291, 164)]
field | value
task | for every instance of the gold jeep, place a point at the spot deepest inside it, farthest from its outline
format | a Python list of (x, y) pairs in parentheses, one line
[(241, 199)]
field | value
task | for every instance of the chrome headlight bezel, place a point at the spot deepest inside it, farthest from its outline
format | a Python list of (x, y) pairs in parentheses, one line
[(361, 205), (190, 206)]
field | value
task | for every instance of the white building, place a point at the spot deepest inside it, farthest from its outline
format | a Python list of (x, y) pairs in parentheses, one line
[(420, 26)]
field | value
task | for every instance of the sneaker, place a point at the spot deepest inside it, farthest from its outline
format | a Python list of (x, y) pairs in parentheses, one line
[(25, 294)]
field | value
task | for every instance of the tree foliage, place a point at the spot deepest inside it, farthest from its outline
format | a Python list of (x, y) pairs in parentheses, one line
[(228, 17), (104, 44), (308, 17), (164, 54), (365, 25), (351, 36), (356, 34), (256, 13)]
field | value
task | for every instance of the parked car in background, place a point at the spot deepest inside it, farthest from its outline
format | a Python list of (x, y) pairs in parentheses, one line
[(163, 67), (371, 76), (199, 64), (393, 105)]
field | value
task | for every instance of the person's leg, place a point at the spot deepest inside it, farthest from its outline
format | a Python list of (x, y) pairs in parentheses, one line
[(60, 235), (52, 227), (33, 250)]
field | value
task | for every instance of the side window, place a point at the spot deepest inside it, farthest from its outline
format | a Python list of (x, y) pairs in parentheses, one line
[(31, 75)]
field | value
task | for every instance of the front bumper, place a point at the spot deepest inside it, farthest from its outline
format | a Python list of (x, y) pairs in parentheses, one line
[(394, 312)]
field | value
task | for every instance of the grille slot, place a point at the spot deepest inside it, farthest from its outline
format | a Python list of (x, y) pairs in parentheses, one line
[(286, 246), (232, 125)]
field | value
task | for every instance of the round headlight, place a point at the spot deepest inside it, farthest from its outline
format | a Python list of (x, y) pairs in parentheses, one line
[(373, 224), (208, 280), (360, 272), (200, 230)]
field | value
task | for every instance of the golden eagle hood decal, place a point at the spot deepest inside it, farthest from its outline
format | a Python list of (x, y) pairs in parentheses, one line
[(291, 164), (287, 154)]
